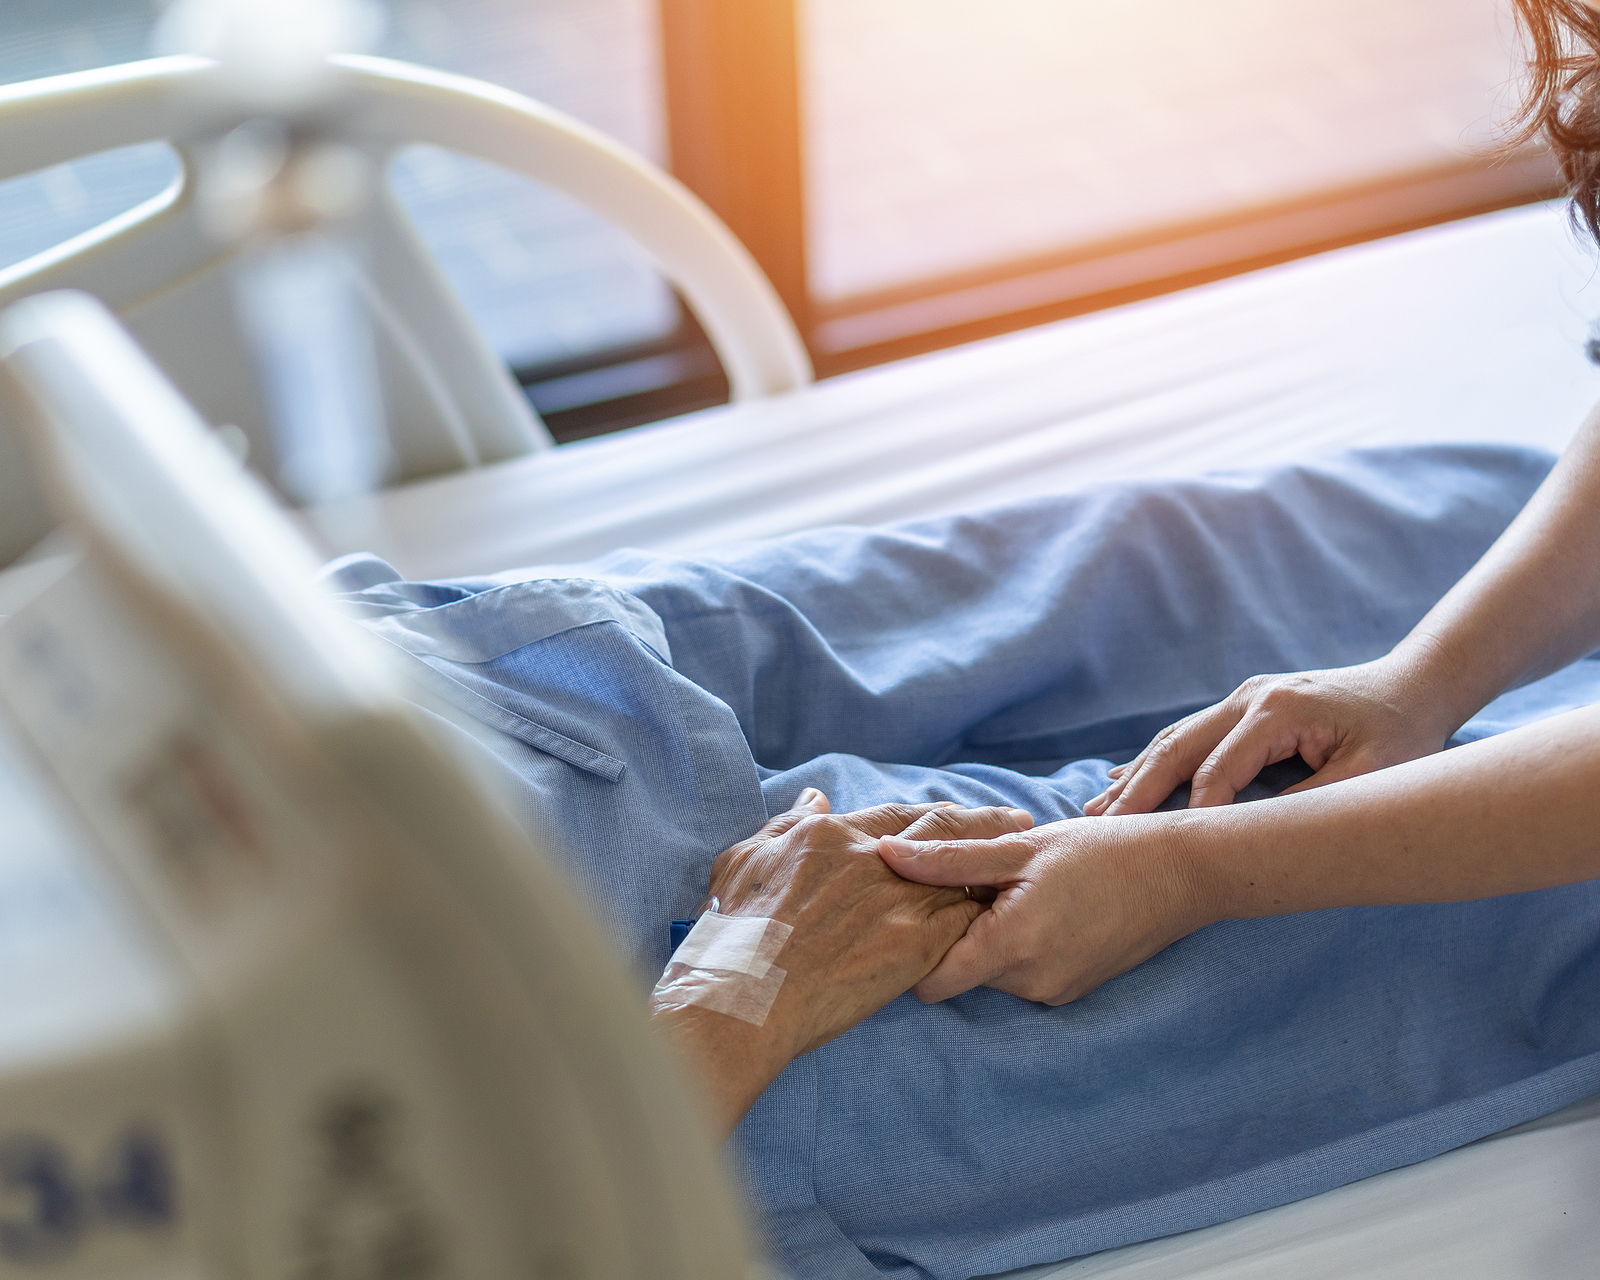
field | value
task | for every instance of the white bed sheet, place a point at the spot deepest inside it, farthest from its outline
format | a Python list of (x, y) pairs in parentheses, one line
[(1471, 331), (1521, 1205)]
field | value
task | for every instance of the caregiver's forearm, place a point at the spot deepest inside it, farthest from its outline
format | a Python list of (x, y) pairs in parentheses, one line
[(1529, 606), (1515, 812)]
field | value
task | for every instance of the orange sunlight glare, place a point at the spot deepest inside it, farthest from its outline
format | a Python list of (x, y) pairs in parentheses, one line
[(948, 134)]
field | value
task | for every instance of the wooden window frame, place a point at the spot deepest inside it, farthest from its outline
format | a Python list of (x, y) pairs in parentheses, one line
[(732, 77)]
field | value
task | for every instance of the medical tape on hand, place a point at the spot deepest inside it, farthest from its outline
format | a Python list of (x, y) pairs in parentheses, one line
[(725, 964)]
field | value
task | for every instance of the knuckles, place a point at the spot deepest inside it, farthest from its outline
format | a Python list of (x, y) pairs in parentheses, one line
[(818, 826), (1046, 985), (933, 825), (1279, 698), (953, 824), (1163, 750)]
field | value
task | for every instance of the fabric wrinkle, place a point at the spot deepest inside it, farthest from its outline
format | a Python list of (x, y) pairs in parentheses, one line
[(1006, 657)]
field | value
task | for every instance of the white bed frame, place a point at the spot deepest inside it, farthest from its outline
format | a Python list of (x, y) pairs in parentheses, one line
[(452, 404), (1471, 332)]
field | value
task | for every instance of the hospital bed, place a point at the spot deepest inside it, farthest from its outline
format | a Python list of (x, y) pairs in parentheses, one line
[(286, 989), (1472, 331)]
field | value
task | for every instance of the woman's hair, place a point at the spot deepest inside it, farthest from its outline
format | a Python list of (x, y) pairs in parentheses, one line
[(1561, 100)]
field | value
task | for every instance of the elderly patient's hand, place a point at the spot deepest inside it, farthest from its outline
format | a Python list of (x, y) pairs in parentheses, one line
[(862, 934)]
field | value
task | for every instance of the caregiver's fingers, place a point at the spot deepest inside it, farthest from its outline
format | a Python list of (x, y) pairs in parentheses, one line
[(956, 862), (1350, 765), (953, 920), (1123, 774), (960, 969), (1171, 758), (1256, 742), (979, 958), (1120, 775), (953, 823)]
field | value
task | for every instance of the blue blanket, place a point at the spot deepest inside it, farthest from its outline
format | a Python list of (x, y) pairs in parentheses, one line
[(648, 711)]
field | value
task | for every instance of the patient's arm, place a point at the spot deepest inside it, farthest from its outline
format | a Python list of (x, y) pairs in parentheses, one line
[(862, 935), (1529, 606), (1079, 902)]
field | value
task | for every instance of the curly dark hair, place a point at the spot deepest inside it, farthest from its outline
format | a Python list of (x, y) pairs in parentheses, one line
[(1561, 101)]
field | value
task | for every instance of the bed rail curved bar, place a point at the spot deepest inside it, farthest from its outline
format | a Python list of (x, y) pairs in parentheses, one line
[(63, 118), (740, 310), (453, 405)]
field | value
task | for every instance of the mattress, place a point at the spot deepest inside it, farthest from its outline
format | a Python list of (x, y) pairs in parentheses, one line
[(1470, 331), (1519, 1204)]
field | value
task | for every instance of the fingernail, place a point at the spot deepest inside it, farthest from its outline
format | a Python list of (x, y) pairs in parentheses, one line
[(950, 804), (809, 796), (1021, 815), (899, 846)]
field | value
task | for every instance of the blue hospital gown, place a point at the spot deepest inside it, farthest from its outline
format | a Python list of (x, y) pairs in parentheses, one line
[(648, 711)]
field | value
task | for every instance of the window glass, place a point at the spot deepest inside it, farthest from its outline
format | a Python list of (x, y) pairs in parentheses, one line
[(40, 210), (948, 135), (50, 37), (545, 279)]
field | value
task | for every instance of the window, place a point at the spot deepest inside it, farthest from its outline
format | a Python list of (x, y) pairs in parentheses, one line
[(578, 313), (910, 173), (49, 37), (959, 168)]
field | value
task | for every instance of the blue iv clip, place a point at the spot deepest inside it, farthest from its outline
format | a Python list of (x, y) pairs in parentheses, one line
[(680, 928)]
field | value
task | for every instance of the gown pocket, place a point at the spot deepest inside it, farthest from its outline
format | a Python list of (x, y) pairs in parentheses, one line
[(536, 735)]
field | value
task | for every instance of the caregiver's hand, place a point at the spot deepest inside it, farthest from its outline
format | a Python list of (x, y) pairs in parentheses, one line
[(862, 935), (1342, 722), (1078, 903)]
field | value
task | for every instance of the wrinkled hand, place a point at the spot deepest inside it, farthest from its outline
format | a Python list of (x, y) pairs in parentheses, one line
[(1078, 903), (862, 935), (1343, 722)]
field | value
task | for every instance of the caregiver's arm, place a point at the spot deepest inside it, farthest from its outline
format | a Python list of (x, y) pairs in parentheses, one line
[(1081, 901), (1529, 606), (862, 935)]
